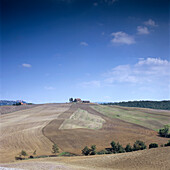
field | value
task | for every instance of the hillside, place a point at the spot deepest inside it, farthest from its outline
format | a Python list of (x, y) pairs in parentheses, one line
[(73, 126)]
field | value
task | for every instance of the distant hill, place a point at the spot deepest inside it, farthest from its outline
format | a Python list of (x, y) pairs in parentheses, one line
[(164, 105), (10, 102)]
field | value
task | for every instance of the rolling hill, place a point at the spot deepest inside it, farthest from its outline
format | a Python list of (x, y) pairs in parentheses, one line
[(73, 126)]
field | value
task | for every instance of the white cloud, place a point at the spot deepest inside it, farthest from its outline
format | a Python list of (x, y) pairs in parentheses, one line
[(122, 38), (150, 22), (145, 71), (92, 84), (49, 88), (152, 61), (83, 43), (142, 30), (26, 65)]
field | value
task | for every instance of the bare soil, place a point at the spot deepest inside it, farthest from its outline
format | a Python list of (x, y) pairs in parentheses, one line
[(9, 109), (74, 140)]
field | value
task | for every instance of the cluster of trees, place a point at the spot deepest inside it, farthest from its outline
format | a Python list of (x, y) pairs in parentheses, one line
[(165, 105), (118, 148), (89, 151), (164, 132), (115, 148), (72, 100)]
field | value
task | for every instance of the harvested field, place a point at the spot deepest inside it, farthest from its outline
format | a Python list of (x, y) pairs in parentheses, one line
[(38, 128), (22, 130), (153, 159), (9, 109), (74, 140)]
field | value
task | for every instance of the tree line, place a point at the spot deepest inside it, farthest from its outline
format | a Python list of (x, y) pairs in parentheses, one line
[(115, 148), (164, 105), (118, 148)]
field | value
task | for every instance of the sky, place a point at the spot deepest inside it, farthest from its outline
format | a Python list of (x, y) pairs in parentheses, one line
[(97, 50)]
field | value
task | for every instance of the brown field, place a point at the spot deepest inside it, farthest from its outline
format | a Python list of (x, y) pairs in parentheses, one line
[(9, 109), (38, 128), (22, 130)]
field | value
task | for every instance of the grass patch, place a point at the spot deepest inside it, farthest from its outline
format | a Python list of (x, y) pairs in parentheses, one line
[(82, 119), (67, 154), (134, 116)]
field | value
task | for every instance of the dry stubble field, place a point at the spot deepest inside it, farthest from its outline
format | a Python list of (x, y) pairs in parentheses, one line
[(39, 127)]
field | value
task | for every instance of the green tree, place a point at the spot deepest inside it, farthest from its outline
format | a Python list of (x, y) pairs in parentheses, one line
[(71, 100), (164, 132), (23, 153), (153, 145), (119, 148), (128, 148), (93, 150), (139, 145), (55, 149), (75, 100), (167, 144), (116, 147), (86, 151)]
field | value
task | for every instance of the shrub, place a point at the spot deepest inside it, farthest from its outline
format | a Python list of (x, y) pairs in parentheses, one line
[(55, 149), (66, 154), (153, 145), (93, 150), (23, 153), (128, 148), (86, 151), (164, 132), (31, 157), (103, 152), (167, 144), (139, 145)]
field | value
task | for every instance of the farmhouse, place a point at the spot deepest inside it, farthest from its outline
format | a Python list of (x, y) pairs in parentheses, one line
[(78, 100)]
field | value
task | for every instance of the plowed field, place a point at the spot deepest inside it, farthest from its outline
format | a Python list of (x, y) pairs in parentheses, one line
[(72, 127)]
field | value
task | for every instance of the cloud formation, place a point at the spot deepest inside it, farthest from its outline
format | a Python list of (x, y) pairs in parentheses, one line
[(26, 65), (150, 22), (145, 71), (83, 43), (142, 30), (122, 38)]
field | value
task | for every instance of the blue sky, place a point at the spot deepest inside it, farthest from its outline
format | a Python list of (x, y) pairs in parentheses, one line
[(100, 50)]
